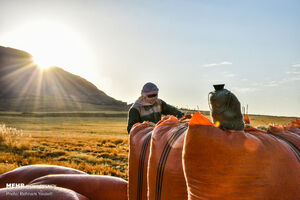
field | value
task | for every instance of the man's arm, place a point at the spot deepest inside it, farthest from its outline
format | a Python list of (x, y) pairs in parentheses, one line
[(133, 117), (170, 110)]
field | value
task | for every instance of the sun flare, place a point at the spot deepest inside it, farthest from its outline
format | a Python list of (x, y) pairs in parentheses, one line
[(41, 62), (53, 43)]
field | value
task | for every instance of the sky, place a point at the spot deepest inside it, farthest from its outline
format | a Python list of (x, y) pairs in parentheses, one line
[(183, 46)]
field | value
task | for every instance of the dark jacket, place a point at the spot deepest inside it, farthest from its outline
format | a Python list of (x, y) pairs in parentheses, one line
[(140, 113)]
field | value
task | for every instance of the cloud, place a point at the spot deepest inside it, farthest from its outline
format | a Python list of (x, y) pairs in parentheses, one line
[(293, 72), (272, 84), (226, 63), (210, 65), (260, 86), (217, 64), (280, 82), (246, 89), (290, 79), (228, 74), (296, 65)]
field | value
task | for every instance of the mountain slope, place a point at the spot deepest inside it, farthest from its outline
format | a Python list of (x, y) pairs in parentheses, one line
[(24, 86)]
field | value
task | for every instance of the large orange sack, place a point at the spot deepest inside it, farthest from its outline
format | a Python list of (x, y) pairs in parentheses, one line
[(165, 174), (287, 134), (295, 123), (26, 174), (292, 127), (29, 193), (139, 144), (238, 165), (94, 187)]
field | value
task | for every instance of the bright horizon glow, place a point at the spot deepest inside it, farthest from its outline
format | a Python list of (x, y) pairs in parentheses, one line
[(52, 43), (41, 63), (184, 47)]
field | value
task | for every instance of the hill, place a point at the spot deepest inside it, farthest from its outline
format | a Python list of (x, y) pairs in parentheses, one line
[(26, 87)]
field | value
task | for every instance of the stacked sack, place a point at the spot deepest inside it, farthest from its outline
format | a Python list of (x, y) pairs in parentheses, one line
[(249, 164), (28, 173), (197, 160), (39, 193), (165, 172), (66, 183), (160, 174), (140, 136), (94, 187)]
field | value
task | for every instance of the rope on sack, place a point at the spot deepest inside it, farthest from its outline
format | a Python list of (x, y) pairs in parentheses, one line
[(163, 161), (141, 167)]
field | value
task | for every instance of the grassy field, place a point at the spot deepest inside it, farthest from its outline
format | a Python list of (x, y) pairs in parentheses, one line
[(93, 145), (96, 145)]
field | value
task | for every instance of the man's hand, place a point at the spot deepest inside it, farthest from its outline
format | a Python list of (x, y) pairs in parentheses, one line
[(185, 117)]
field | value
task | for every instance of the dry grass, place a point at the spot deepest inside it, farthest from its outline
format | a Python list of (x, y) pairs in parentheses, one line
[(265, 121), (93, 145)]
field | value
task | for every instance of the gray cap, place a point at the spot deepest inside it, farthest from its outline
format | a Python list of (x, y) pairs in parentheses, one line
[(149, 88)]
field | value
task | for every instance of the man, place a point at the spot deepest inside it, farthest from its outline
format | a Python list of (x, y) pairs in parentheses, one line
[(149, 107)]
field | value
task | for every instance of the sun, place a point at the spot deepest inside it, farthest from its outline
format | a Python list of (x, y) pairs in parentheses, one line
[(53, 43), (42, 62)]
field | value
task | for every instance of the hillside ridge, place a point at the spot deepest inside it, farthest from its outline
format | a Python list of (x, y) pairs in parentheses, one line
[(26, 87)]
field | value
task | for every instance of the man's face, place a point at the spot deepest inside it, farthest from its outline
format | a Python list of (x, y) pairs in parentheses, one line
[(151, 98)]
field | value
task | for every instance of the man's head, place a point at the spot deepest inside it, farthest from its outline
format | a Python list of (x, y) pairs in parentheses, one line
[(150, 92)]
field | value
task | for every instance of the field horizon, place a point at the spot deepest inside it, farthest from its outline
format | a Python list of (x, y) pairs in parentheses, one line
[(110, 113), (94, 142)]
